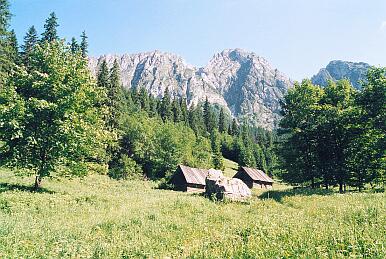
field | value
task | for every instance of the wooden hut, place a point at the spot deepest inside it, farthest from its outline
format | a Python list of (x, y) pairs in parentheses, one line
[(189, 179), (254, 178)]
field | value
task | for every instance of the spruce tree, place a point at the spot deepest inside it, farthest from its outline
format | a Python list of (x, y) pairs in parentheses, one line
[(5, 49), (222, 125), (184, 111), (234, 128), (165, 107), (176, 110), (30, 40), (74, 45), (208, 116), (103, 75), (218, 162), (196, 120), (115, 96), (153, 102), (14, 47), (144, 100), (84, 44), (50, 33), (260, 158)]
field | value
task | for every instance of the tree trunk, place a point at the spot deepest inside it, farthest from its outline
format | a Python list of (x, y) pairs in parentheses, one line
[(38, 182), (313, 183), (340, 187)]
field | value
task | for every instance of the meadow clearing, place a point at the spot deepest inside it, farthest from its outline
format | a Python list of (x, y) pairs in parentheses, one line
[(96, 217)]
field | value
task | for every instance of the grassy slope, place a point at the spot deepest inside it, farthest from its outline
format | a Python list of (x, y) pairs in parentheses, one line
[(230, 168), (99, 217)]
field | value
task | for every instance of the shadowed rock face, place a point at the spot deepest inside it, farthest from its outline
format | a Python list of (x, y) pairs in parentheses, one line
[(337, 69), (241, 81)]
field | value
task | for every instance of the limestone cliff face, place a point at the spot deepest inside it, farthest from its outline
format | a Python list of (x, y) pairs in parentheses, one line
[(337, 69), (241, 81)]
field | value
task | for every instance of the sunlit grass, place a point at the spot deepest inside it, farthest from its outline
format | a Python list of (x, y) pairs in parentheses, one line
[(230, 168), (99, 217)]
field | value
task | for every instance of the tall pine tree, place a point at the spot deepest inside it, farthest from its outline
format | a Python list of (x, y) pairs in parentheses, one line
[(208, 116), (84, 44), (5, 49), (115, 97), (74, 45), (218, 162), (30, 41), (165, 108), (51, 25), (222, 124), (14, 47)]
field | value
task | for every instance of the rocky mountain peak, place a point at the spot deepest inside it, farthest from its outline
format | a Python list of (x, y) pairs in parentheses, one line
[(338, 69), (241, 81)]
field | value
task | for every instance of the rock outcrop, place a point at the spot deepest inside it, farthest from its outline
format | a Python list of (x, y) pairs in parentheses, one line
[(241, 81), (221, 187), (337, 69)]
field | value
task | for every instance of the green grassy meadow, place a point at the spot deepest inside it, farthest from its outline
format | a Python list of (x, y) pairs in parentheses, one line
[(96, 217)]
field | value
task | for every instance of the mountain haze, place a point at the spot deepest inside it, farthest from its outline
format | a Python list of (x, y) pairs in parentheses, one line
[(241, 81)]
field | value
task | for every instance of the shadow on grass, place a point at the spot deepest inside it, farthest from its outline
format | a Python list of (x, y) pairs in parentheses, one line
[(279, 195), (25, 188)]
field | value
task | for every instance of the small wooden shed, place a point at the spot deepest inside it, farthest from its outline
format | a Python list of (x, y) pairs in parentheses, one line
[(254, 178), (189, 179)]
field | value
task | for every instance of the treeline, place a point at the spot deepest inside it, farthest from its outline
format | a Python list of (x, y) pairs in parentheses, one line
[(156, 134), (55, 118), (335, 135)]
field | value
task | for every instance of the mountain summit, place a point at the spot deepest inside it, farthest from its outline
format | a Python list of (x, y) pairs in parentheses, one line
[(241, 81), (338, 69)]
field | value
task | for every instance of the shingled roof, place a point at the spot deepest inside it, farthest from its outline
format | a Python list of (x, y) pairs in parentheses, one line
[(194, 175), (257, 175)]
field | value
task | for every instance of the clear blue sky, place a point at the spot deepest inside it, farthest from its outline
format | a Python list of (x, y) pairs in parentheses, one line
[(297, 36)]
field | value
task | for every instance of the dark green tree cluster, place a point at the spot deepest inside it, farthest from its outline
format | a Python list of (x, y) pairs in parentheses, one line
[(247, 145), (334, 135)]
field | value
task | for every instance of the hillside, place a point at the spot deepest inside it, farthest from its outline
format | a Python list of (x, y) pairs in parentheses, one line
[(102, 218), (246, 84)]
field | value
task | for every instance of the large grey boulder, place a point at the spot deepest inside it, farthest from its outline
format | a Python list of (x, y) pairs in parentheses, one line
[(221, 187)]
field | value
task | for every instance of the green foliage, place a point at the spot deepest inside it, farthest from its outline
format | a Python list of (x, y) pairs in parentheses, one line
[(234, 129), (50, 28), (222, 123), (209, 118), (160, 146), (74, 45), (49, 114), (30, 40), (115, 96), (334, 134), (6, 50), (126, 168), (218, 162), (83, 44), (165, 109)]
